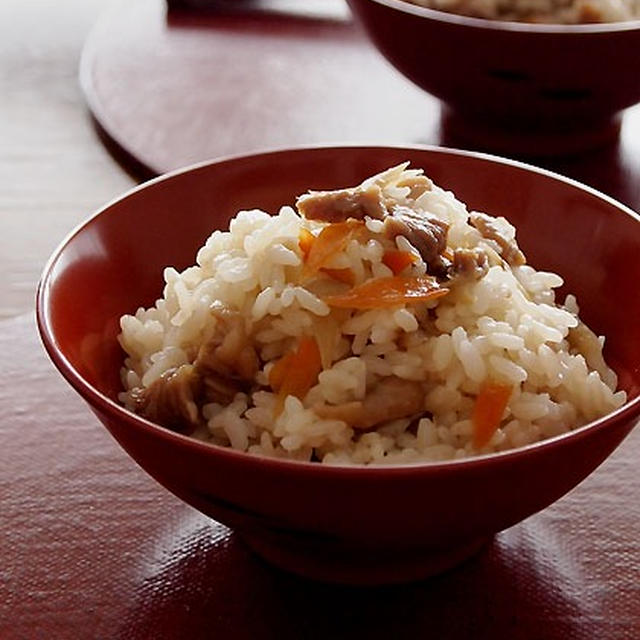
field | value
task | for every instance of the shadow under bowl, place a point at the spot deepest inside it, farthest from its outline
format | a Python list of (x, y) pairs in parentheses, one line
[(508, 87), (348, 524)]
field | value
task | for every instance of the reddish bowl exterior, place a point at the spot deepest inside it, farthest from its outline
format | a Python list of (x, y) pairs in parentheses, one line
[(349, 524), (550, 80)]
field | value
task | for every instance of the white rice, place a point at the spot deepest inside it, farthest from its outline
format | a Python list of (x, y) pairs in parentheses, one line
[(541, 11), (505, 327)]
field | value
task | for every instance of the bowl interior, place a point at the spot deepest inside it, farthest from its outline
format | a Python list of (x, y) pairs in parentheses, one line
[(114, 262)]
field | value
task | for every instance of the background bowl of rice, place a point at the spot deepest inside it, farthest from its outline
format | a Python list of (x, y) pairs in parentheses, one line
[(509, 86), (356, 524)]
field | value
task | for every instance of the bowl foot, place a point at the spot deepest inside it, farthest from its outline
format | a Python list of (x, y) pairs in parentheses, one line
[(330, 561), (526, 140)]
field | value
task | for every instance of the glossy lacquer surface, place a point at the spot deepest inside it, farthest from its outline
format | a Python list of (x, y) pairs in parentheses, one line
[(171, 87), (94, 548), (522, 88), (353, 525)]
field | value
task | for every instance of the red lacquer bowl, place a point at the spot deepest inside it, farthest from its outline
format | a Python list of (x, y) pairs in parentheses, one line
[(513, 87), (348, 524)]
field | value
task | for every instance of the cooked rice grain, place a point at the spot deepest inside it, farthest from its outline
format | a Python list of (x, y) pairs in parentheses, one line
[(504, 327)]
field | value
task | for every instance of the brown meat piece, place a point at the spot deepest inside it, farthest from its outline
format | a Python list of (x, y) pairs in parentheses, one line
[(224, 366), (367, 199), (426, 233), (470, 263), (337, 206), (391, 399), (229, 352), (490, 229), (417, 184), (227, 362), (171, 399)]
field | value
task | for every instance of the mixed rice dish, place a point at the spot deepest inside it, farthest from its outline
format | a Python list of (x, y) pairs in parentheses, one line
[(378, 324), (541, 11)]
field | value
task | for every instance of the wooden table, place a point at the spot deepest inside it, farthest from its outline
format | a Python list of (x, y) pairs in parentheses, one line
[(90, 547)]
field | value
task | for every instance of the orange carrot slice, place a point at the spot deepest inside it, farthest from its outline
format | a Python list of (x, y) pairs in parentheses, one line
[(331, 240), (295, 373), (342, 275), (383, 293), (279, 371), (305, 242), (488, 410), (398, 260)]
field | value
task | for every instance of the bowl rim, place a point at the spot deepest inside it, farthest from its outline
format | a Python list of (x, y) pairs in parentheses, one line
[(113, 409), (437, 15)]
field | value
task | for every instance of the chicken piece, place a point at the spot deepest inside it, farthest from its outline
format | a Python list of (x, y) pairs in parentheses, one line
[(171, 399), (470, 263), (367, 199), (337, 206), (224, 366), (426, 233), (501, 232), (417, 185), (390, 399), (227, 362)]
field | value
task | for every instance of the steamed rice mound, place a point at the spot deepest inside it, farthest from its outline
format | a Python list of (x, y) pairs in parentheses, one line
[(541, 11), (388, 324)]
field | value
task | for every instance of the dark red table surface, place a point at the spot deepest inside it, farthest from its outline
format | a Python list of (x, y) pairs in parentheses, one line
[(93, 548), (90, 546)]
